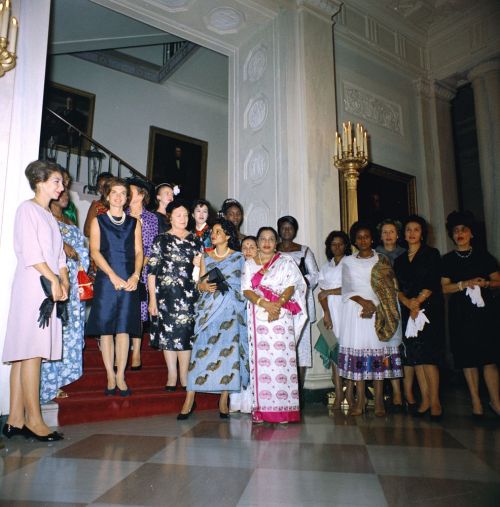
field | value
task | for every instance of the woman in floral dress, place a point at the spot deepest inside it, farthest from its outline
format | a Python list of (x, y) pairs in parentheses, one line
[(57, 374), (172, 292)]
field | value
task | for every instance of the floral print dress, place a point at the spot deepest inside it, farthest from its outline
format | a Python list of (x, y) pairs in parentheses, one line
[(171, 262), (55, 375)]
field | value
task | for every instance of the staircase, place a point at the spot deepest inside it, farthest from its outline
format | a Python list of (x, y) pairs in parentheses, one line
[(86, 401)]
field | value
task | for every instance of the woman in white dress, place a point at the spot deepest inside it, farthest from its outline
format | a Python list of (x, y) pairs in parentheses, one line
[(363, 355), (330, 298), (305, 260)]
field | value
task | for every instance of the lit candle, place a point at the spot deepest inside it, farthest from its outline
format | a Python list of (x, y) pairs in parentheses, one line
[(4, 25), (14, 26)]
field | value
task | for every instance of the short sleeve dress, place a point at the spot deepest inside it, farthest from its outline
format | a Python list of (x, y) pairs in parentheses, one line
[(37, 239), (473, 339), (423, 272), (171, 261)]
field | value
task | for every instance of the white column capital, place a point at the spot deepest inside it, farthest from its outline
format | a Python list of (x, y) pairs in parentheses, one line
[(430, 88), (484, 68), (326, 8)]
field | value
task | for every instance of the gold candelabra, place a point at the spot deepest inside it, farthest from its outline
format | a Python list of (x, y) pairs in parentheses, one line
[(8, 38), (351, 156)]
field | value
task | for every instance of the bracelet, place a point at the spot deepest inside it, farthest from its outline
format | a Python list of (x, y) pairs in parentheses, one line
[(257, 303), (460, 285)]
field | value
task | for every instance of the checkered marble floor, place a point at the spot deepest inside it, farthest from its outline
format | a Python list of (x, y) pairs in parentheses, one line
[(328, 460)]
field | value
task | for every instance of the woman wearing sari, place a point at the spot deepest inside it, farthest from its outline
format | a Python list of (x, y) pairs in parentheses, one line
[(219, 361), (276, 291)]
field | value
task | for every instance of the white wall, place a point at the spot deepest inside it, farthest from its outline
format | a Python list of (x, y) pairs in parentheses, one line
[(126, 106)]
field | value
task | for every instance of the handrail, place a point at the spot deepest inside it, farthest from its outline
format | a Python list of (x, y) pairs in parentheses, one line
[(110, 154)]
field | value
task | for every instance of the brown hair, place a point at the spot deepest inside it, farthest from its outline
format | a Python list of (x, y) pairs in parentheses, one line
[(116, 182), (39, 171)]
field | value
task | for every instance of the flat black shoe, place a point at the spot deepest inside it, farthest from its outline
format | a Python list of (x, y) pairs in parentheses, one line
[(436, 418), (183, 417), (10, 431), (136, 368), (124, 392), (170, 389), (222, 415), (51, 437), (110, 392)]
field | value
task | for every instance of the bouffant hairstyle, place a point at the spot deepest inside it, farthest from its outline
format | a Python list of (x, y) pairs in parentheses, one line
[(268, 228), (40, 171), (115, 182), (388, 221), (328, 242), (420, 221), (358, 226), (460, 218), (177, 203), (287, 219), (230, 230)]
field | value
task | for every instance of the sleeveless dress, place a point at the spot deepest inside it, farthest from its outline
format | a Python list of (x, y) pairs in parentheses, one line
[(115, 311)]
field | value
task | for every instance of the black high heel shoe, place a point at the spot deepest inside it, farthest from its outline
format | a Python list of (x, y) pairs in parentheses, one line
[(417, 413), (136, 368), (124, 392), (10, 431), (51, 437), (110, 392), (183, 417)]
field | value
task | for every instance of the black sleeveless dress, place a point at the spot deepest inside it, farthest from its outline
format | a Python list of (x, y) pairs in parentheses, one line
[(115, 311)]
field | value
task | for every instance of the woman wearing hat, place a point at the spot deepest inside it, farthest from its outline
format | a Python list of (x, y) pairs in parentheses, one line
[(305, 260), (139, 198), (472, 319)]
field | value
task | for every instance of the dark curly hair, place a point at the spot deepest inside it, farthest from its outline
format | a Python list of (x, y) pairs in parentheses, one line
[(460, 218), (178, 203), (230, 230), (358, 226), (229, 203), (268, 228), (328, 242), (420, 221)]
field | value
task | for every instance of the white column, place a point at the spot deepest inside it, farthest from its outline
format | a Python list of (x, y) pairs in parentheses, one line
[(313, 185), (21, 92), (485, 80), (438, 157)]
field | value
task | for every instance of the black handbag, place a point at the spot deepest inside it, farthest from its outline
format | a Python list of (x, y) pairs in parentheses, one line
[(215, 276), (48, 304), (141, 291), (302, 264)]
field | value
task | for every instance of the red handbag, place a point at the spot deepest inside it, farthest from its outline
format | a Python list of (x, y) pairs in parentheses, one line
[(85, 285)]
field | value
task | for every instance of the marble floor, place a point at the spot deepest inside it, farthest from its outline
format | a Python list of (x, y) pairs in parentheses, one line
[(328, 460)]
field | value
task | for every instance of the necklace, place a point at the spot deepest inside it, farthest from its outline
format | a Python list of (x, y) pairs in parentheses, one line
[(367, 257), (223, 255), (114, 221), (466, 255)]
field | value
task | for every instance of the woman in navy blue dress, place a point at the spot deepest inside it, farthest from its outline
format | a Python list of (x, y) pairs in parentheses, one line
[(116, 248)]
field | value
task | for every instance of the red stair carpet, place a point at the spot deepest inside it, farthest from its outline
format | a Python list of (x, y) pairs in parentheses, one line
[(86, 401)]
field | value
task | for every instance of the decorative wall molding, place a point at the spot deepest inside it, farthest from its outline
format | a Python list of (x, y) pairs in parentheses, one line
[(256, 165), (373, 108), (430, 88), (484, 68), (327, 7), (256, 113), (258, 214), (256, 64), (224, 20), (172, 5)]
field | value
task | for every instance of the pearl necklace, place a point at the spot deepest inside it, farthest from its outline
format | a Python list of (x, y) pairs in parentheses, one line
[(116, 222), (464, 256), (223, 255)]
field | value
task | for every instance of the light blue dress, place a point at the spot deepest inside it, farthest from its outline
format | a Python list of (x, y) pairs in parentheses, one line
[(219, 360), (57, 374)]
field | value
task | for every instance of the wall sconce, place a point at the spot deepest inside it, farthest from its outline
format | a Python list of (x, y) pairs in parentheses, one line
[(8, 38)]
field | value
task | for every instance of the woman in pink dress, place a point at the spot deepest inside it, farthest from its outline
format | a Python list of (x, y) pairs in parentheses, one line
[(39, 250), (276, 293)]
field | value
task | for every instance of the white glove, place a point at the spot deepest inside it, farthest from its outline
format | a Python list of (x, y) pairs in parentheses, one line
[(414, 326), (475, 295)]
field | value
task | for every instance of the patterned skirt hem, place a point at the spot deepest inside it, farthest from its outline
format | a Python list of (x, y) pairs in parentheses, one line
[(275, 417), (369, 364)]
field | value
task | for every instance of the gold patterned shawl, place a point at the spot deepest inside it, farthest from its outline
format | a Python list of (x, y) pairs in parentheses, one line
[(385, 286)]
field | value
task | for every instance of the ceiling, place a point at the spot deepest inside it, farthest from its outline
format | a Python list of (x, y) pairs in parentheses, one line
[(83, 27)]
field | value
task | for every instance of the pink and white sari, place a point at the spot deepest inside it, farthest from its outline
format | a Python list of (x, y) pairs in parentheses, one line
[(272, 345)]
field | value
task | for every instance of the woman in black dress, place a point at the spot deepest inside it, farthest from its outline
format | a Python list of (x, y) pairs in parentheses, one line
[(473, 329), (116, 249), (419, 274), (172, 292)]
